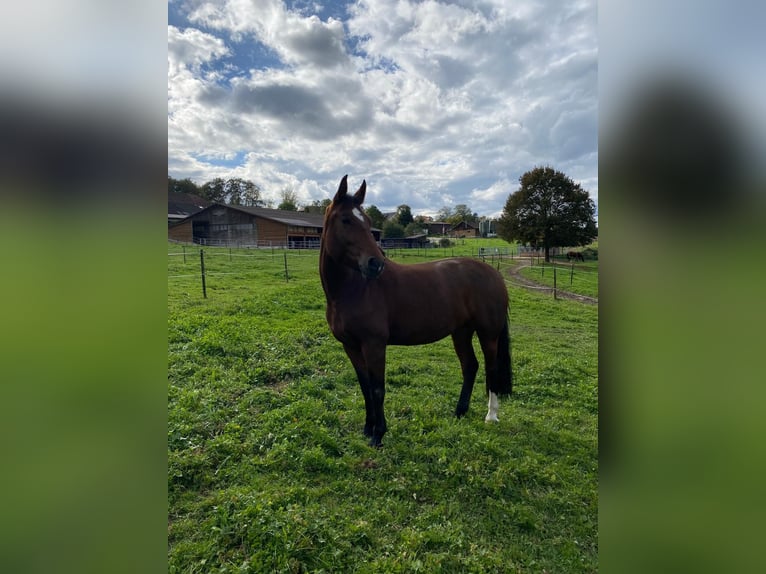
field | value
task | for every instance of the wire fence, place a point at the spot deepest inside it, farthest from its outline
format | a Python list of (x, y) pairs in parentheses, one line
[(192, 261)]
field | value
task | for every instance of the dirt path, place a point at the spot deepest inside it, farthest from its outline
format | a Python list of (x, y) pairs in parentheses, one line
[(516, 278)]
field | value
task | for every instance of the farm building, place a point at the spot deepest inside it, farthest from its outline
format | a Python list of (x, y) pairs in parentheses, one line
[(182, 205), (239, 225), (464, 229), (437, 227)]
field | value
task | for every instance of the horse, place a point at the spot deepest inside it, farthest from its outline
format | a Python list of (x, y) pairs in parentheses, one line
[(575, 255), (373, 302)]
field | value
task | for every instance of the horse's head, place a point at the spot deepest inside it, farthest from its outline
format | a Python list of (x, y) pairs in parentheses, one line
[(347, 237)]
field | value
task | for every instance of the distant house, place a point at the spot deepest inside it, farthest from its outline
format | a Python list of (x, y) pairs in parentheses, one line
[(182, 205), (237, 225), (464, 229), (437, 227)]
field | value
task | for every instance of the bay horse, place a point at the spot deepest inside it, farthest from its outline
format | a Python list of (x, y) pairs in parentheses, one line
[(575, 255), (373, 302)]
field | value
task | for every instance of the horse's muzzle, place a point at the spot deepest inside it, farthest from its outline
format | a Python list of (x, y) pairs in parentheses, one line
[(373, 268)]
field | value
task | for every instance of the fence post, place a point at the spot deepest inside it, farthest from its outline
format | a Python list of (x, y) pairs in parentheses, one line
[(202, 269), (287, 277), (184, 249), (554, 280), (571, 275)]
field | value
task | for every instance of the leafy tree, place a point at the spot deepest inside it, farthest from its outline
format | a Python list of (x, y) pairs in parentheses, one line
[(289, 200), (242, 192), (460, 213), (317, 206), (214, 190), (251, 195), (376, 216), (413, 228), (234, 191), (548, 210), (444, 214), (404, 215), (183, 186), (392, 230)]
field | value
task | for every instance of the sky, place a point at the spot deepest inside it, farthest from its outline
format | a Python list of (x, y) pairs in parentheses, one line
[(433, 103)]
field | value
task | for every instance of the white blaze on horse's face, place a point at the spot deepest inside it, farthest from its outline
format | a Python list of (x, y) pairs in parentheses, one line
[(358, 213), (493, 406)]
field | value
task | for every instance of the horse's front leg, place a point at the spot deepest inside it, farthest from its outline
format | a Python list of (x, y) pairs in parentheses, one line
[(375, 357), (360, 366)]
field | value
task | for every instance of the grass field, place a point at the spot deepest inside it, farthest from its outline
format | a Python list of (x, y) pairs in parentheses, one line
[(268, 470), (584, 280)]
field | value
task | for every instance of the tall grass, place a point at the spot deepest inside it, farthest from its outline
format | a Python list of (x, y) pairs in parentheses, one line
[(268, 470)]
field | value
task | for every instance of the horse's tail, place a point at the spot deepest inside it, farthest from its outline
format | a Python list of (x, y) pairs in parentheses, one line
[(503, 383)]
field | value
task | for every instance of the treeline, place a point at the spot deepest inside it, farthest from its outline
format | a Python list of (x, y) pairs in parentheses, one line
[(238, 191), (548, 210), (403, 223), (234, 191)]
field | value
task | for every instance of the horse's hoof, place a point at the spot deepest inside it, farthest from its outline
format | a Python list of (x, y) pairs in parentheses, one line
[(491, 419), (368, 431), (460, 411), (376, 442)]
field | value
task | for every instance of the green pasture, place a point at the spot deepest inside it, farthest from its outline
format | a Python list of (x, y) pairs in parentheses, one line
[(268, 470), (583, 279)]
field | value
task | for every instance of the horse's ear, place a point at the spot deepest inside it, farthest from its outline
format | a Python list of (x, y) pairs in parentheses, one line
[(342, 190), (359, 195)]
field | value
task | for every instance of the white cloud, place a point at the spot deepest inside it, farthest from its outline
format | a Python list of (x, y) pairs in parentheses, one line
[(297, 39), (433, 104), (189, 49)]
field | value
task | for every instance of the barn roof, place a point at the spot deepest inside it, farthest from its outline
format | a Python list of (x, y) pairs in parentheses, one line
[(182, 205), (464, 225), (293, 218)]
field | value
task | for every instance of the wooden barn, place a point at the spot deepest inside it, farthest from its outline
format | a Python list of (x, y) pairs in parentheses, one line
[(237, 225), (182, 205), (464, 229), (437, 228)]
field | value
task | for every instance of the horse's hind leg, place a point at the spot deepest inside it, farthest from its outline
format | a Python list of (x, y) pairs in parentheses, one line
[(489, 348), (469, 365)]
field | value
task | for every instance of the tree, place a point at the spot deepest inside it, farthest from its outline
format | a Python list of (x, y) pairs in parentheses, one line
[(404, 215), (289, 200), (317, 206), (377, 218), (444, 214), (183, 186), (392, 230), (242, 192), (461, 213), (413, 228), (548, 210), (214, 190), (234, 191)]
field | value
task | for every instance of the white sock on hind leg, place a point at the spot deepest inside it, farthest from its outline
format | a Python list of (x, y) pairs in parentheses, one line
[(492, 409)]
